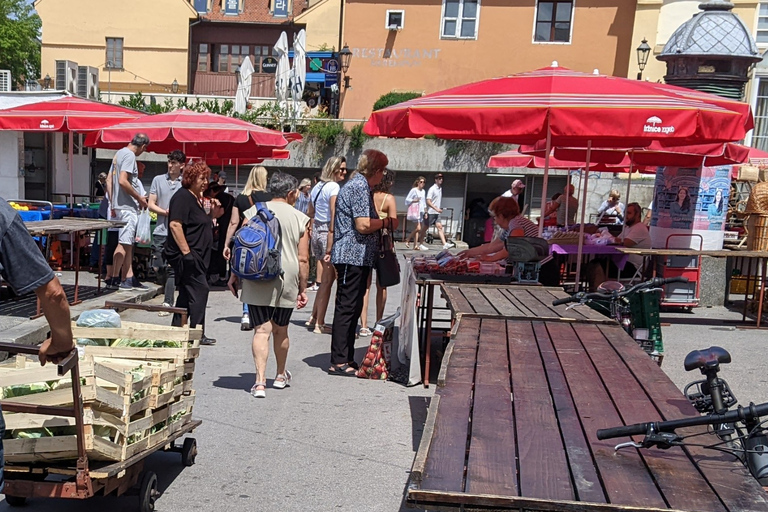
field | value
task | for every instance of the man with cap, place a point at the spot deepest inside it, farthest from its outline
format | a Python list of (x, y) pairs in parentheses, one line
[(516, 191), (222, 180), (432, 216)]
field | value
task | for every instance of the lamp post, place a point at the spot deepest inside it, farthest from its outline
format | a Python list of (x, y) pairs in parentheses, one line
[(175, 86), (47, 82), (643, 51), (345, 55)]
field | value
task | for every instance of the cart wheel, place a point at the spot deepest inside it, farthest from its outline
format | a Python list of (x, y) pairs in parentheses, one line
[(15, 501), (148, 492), (189, 451)]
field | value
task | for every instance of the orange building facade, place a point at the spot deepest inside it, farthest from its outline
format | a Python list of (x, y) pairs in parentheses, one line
[(430, 45)]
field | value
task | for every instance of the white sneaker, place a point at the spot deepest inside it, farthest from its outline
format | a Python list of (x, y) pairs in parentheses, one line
[(423, 248), (164, 313), (448, 245), (245, 323), (285, 382)]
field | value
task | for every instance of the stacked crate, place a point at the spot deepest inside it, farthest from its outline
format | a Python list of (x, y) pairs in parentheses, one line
[(134, 398)]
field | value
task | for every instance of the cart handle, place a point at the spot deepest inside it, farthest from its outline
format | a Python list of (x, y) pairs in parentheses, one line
[(63, 367)]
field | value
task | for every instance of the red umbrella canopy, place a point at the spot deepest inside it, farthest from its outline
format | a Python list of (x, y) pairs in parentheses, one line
[(67, 114), (245, 159), (536, 161), (196, 133), (570, 106)]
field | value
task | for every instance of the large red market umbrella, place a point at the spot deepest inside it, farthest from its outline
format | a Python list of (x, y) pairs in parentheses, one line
[(195, 133), (68, 114)]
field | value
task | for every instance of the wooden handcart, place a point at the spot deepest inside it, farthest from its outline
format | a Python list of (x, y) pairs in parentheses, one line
[(89, 477)]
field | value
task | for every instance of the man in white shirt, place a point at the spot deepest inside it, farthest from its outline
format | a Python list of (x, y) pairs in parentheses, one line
[(432, 216), (635, 235), (516, 191)]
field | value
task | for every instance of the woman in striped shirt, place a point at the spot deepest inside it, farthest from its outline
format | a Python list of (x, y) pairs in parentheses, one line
[(506, 214)]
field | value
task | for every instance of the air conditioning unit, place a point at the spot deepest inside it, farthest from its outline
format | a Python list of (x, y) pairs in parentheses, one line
[(66, 76), (395, 20), (5, 80), (88, 82)]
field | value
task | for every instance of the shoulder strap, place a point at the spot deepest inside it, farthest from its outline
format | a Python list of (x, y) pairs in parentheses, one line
[(314, 199), (250, 198), (383, 201)]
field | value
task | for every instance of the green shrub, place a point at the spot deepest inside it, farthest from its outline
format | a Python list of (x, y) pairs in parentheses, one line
[(324, 131), (393, 98), (357, 137)]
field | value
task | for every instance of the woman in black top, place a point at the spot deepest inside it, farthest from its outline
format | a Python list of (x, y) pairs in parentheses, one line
[(254, 192), (188, 250)]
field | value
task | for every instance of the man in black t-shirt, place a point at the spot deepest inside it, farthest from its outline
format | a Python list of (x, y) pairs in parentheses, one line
[(23, 266)]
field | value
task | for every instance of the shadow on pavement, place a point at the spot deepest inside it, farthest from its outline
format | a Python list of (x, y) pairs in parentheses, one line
[(230, 319), (242, 382), (323, 359)]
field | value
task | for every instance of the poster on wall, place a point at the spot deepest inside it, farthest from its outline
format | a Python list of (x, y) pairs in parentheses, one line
[(689, 207)]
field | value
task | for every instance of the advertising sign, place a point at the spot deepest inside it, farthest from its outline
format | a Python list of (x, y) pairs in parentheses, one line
[(269, 65), (232, 7), (281, 9)]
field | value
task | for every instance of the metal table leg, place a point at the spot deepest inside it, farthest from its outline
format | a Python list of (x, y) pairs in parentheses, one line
[(430, 301)]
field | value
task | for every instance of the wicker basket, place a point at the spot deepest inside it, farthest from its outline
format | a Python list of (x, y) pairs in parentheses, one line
[(758, 199), (748, 172), (757, 232)]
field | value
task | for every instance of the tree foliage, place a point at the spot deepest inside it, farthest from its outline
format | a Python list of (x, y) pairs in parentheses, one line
[(19, 44), (393, 98)]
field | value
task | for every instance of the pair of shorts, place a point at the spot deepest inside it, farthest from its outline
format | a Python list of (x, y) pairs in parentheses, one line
[(319, 241), (432, 219), (262, 314), (127, 232)]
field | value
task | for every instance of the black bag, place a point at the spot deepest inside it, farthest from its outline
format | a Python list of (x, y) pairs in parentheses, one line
[(387, 266)]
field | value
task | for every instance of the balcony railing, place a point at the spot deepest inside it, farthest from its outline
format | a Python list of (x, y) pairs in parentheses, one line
[(225, 84)]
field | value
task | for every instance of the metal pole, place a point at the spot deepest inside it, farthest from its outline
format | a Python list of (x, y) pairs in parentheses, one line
[(583, 213), (546, 179), (71, 170)]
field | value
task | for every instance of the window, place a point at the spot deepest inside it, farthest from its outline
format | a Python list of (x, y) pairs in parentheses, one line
[(762, 23), (259, 54), (760, 134), (460, 19), (114, 58), (229, 57), (553, 21), (202, 58)]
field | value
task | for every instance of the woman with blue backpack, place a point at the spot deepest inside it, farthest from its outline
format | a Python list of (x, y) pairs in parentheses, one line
[(270, 260)]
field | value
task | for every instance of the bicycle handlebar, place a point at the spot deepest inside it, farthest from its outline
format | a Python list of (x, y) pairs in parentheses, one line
[(656, 282), (750, 413)]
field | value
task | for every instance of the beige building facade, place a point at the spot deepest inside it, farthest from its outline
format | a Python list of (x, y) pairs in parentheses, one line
[(136, 46)]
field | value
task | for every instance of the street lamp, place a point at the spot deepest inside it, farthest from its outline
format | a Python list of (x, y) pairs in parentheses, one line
[(345, 55), (643, 51), (175, 86), (47, 81)]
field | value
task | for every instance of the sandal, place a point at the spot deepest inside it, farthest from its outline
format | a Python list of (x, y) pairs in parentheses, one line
[(259, 393), (322, 329), (407, 245), (309, 323), (282, 380), (343, 371), (365, 332)]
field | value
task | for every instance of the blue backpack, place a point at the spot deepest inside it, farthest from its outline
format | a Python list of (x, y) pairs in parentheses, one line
[(256, 251)]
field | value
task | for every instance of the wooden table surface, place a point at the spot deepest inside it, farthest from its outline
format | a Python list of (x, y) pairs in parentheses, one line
[(515, 302), (68, 225), (513, 426)]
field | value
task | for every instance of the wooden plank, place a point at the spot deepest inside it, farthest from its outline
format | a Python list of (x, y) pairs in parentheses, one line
[(730, 480), (456, 301), (491, 463), (515, 300), (444, 466), (546, 296), (586, 481), (542, 453), (676, 475), (419, 463), (500, 302), (464, 501), (624, 477), (477, 301), (538, 309)]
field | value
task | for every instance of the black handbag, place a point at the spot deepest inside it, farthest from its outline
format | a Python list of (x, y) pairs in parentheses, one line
[(387, 265)]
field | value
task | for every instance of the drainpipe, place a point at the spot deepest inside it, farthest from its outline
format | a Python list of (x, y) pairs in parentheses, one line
[(191, 69), (341, 26)]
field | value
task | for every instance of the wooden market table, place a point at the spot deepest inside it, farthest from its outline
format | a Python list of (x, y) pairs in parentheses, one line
[(73, 226), (755, 277), (519, 399)]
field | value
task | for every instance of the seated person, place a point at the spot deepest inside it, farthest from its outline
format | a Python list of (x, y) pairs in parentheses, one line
[(505, 212), (612, 208), (635, 235)]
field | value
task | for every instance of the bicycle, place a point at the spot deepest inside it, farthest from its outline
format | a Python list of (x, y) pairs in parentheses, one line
[(636, 309), (741, 432)]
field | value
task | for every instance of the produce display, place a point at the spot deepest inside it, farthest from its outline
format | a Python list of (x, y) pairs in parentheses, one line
[(136, 384), (450, 264)]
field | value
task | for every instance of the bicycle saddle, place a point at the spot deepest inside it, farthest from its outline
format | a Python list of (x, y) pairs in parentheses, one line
[(610, 287), (708, 357)]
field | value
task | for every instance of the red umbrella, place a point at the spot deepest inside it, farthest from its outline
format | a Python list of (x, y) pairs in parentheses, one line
[(195, 133), (67, 114), (535, 160), (567, 107)]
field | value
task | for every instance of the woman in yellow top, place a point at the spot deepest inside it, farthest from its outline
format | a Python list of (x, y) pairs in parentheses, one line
[(385, 207)]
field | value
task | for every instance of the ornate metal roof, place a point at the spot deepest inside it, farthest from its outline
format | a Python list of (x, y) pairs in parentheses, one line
[(715, 31)]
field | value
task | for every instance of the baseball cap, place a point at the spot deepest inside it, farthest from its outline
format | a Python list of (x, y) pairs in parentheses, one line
[(438, 175), (222, 175), (518, 184)]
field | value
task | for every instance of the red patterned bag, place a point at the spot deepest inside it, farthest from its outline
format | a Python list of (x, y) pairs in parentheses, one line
[(375, 364)]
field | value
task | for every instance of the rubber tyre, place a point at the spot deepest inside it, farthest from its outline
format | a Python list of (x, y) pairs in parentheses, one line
[(189, 451), (15, 501), (148, 492)]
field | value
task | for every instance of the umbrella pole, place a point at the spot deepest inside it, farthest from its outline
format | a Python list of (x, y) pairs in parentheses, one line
[(546, 178), (629, 183), (583, 214), (237, 168), (70, 152)]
